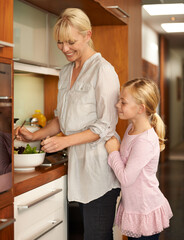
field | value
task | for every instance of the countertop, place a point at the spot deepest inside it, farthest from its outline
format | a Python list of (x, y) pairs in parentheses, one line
[(26, 181)]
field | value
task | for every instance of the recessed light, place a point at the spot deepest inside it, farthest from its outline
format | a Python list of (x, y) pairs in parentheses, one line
[(173, 27), (164, 9)]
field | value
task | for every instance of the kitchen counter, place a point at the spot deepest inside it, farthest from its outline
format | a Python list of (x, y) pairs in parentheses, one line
[(24, 181)]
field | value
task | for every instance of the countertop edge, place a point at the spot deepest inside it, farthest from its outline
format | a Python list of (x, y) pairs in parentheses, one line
[(42, 176)]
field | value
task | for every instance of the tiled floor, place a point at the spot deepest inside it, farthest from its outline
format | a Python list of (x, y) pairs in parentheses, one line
[(171, 177)]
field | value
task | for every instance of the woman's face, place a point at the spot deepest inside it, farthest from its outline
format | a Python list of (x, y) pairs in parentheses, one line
[(127, 107), (73, 50)]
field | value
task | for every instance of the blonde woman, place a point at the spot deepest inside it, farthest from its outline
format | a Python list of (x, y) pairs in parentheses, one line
[(144, 211), (88, 90)]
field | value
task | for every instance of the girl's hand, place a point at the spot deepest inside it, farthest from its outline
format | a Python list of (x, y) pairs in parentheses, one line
[(112, 145), (53, 144), (22, 134)]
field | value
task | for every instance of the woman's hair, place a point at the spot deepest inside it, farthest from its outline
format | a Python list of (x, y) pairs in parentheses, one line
[(72, 17), (146, 92)]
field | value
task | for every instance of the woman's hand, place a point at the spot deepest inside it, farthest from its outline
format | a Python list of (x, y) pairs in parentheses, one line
[(22, 134), (53, 144), (112, 145)]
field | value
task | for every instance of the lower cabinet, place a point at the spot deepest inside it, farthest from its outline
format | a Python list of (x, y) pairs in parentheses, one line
[(42, 213), (6, 223)]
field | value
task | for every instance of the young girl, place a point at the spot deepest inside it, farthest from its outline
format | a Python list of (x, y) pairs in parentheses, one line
[(143, 211)]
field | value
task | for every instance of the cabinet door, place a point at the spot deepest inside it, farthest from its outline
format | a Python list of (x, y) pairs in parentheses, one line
[(56, 57), (29, 34), (6, 28), (6, 223)]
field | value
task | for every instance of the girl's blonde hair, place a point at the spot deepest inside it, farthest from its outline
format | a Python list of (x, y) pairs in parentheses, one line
[(72, 17), (146, 92)]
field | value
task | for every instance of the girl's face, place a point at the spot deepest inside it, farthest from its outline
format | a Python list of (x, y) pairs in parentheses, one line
[(127, 107), (73, 50)]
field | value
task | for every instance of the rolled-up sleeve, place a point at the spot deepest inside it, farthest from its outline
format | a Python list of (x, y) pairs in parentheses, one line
[(107, 93)]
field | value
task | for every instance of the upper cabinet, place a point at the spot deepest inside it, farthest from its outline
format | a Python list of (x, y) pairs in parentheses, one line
[(29, 33), (118, 8), (55, 56), (6, 28), (96, 12), (33, 36)]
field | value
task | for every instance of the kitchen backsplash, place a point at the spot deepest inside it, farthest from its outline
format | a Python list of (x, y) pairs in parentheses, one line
[(28, 95)]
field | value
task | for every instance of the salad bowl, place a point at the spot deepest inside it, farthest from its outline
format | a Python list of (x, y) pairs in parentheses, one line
[(27, 160)]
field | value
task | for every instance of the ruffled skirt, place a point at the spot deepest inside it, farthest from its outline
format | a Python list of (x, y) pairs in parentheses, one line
[(137, 225)]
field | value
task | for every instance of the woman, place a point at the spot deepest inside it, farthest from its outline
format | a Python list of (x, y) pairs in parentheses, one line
[(88, 90)]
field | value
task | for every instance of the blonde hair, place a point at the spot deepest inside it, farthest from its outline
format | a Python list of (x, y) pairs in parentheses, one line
[(146, 92), (72, 17)]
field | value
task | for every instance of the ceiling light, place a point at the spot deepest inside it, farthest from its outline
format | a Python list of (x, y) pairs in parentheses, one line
[(173, 27), (164, 9)]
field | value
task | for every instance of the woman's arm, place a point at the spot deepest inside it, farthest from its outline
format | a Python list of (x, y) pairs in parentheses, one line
[(51, 129), (58, 143)]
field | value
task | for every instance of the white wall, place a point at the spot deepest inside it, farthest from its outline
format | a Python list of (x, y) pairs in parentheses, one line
[(176, 105), (150, 43), (28, 95)]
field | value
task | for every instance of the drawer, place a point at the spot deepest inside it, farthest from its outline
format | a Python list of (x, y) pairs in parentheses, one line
[(37, 209), (51, 225)]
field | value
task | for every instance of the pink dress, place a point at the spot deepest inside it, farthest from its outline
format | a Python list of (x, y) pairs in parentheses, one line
[(143, 209)]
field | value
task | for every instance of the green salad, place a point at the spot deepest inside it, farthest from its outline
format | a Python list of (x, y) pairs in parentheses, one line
[(26, 150)]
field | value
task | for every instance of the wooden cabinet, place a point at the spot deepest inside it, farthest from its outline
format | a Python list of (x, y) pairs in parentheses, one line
[(6, 216), (42, 212), (134, 39), (97, 14), (133, 18), (6, 223), (118, 8), (6, 28)]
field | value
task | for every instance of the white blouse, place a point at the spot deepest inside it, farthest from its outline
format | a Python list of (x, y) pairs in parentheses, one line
[(89, 104)]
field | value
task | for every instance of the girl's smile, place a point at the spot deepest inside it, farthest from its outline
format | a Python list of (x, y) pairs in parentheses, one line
[(127, 106)]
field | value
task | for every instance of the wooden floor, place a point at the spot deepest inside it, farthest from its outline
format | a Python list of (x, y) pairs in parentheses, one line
[(171, 177)]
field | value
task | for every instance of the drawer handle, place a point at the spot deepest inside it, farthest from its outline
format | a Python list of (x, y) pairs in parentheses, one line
[(5, 97), (116, 9), (26, 206), (55, 223), (6, 222), (6, 44)]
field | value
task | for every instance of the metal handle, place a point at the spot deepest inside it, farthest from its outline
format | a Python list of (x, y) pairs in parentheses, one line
[(120, 10), (6, 222), (26, 206), (5, 104), (6, 44), (5, 97), (55, 223)]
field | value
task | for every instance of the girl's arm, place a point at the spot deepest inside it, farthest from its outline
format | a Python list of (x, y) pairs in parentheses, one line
[(140, 154)]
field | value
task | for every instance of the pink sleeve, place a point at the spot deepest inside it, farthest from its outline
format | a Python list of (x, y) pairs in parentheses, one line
[(140, 154)]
